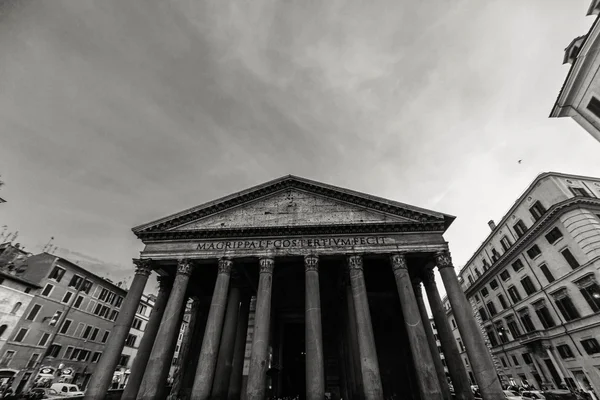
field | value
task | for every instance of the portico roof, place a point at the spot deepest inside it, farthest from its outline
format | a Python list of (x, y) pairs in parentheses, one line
[(251, 206)]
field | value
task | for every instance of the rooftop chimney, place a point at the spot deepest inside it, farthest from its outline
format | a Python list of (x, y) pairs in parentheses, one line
[(492, 224)]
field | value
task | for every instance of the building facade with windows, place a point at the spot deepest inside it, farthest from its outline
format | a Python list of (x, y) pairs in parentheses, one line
[(579, 97), (65, 326), (535, 287)]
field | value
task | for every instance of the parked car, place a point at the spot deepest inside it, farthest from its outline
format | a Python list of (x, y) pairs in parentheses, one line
[(510, 395), (67, 389), (532, 395), (42, 393)]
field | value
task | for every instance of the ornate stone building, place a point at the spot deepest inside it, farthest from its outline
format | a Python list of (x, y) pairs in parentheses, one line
[(336, 278)]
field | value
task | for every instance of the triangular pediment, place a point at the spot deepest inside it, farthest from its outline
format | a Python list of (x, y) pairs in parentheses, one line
[(291, 202)]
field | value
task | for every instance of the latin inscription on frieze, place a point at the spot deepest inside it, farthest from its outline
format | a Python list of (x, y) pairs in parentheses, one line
[(292, 243)]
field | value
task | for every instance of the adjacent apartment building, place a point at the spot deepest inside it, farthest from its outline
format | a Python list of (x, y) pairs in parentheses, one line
[(579, 97), (65, 325), (534, 284)]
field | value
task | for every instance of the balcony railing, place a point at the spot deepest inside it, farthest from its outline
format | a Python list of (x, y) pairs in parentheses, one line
[(532, 337)]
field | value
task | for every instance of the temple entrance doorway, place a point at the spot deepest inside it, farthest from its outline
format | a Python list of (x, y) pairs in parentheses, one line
[(293, 379)]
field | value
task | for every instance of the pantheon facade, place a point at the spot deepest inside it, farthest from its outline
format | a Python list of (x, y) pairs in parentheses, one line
[(302, 289)]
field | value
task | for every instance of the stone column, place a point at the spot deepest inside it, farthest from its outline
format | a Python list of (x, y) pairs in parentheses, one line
[(257, 375), (372, 387), (143, 354), (189, 373), (210, 344), (102, 377), (226, 347), (557, 366), (479, 356), (157, 370), (456, 368), (423, 362), (352, 340), (435, 354), (237, 368), (315, 373), (183, 360)]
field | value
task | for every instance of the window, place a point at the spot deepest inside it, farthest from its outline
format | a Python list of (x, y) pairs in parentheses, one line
[(527, 358), (460, 345), (105, 311), (87, 332), (565, 351), (94, 333), (16, 307), (534, 251), (515, 360), (494, 284), (137, 324), (492, 309), (517, 265), (537, 210), (75, 354), (44, 339), (142, 309), (495, 255), (594, 106), (526, 321), (47, 290), (528, 286), (477, 272), (513, 327), (57, 274), (570, 258), (579, 192), (67, 297), (98, 309), (53, 350), (87, 285), (502, 301), (2, 329), (113, 315), (544, 314), (84, 355), (514, 294), (547, 273), (123, 360), (504, 275), (111, 297), (501, 332), (7, 358), (96, 357), (503, 362), (65, 326), (491, 336), (505, 243), (484, 292), (104, 294), (27, 290), (119, 301), (55, 318), (483, 314), (21, 335), (565, 305), (105, 337), (486, 264), (591, 346), (78, 302), (470, 279), (33, 312), (76, 280), (68, 352), (591, 291), (553, 235), (33, 360), (520, 228), (453, 324), (130, 341)]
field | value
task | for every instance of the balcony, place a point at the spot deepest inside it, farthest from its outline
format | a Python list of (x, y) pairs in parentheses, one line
[(533, 336)]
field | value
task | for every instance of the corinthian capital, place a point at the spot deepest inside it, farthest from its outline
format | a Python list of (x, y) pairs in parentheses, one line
[(266, 265), (355, 262), (443, 259), (143, 267), (184, 267), (416, 284), (428, 276), (225, 265), (311, 262), (398, 262)]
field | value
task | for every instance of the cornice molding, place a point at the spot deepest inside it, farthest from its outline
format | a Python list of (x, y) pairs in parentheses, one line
[(549, 217), (293, 183)]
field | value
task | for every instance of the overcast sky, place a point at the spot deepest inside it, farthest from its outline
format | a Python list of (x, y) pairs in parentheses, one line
[(114, 113)]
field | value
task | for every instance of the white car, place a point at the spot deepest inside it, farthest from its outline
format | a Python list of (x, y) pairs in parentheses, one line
[(510, 395), (67, 389)]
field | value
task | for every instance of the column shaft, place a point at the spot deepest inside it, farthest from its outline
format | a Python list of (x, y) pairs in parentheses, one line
[(456, 368), (357, 386), (154, 381), (226, 347), (210, 344), (145, 348), (479, 356), (189, 373), (557, 366), (423, 362), (435, 354), (102, 378), (315, 373), (373, 389), (257, 375), (237, 367)]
